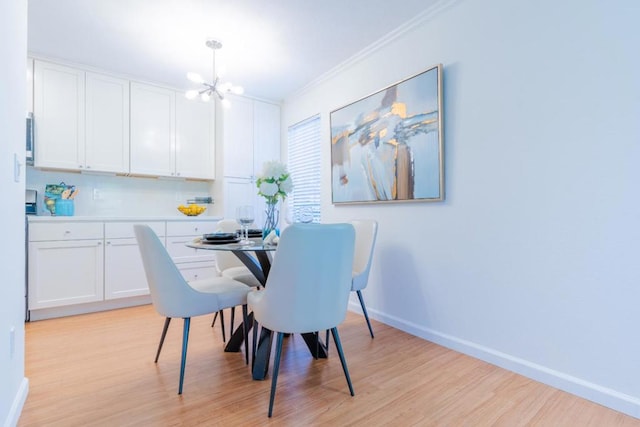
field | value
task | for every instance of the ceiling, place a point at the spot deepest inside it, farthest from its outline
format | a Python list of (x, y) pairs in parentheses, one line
[(272, 48)]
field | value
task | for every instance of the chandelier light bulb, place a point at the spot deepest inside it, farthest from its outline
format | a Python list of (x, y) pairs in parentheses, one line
[(238, 90), (205, 96)]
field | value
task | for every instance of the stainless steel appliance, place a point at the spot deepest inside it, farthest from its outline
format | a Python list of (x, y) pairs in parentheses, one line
[(31, 202)]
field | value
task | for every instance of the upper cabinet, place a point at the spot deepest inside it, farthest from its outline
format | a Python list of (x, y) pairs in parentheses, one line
[(152, 130), (195, 138), (90, 121), (107, 123), (251, 137), (171, 136), (58, 116), (81, 119)]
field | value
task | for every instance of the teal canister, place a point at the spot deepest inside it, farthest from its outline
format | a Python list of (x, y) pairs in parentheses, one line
[(64, 207)]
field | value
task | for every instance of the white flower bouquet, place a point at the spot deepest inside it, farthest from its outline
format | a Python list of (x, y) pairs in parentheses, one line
[(275, 182)]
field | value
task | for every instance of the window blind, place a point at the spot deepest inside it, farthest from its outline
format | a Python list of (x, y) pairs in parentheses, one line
[(304, 164)]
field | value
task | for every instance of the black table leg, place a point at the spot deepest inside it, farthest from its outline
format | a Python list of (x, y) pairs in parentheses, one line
[(312, 340), (237, 338), (262, 355)]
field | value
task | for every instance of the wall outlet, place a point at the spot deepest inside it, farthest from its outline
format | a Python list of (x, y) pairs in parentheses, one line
[(97, 195)]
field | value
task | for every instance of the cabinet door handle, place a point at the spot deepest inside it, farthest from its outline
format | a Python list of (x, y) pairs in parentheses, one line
[(99, 243)]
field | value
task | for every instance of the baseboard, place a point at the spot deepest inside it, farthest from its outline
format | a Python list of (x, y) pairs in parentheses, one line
[(610, 398), (18, 404), (92, 307)]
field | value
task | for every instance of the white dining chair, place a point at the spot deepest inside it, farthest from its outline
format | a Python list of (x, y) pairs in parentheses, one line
[(173, 297), (228, 265), (308, 287), (366, 233)]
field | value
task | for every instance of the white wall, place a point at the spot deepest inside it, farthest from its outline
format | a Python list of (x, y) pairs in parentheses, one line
[(531, 262), (13, 106)]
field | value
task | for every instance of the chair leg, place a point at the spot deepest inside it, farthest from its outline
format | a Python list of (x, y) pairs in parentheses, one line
[(276, 368), (245, 330), (364, 310), (215, 316), (164, 334), (185, 341), (233, 317), (326, 341), (336, 339), (255, 342), (224, 337)]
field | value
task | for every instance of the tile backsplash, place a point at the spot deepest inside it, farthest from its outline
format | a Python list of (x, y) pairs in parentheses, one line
[(108, 195)]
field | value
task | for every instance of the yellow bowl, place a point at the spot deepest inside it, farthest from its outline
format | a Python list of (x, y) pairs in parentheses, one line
[(192, 209)]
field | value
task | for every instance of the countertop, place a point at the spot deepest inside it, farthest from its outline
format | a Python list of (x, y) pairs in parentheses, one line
[(48, 218)]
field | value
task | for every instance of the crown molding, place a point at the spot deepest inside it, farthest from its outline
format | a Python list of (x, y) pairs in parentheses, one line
[(428, 14)]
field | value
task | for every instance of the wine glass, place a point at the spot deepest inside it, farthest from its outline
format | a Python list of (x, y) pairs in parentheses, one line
[(245, 217)]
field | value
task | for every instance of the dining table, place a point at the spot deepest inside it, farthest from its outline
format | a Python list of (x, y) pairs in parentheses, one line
[(257, 257)]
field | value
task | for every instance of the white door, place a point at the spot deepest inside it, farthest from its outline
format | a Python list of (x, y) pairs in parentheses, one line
[(65, 272), (107, 123), (195, 138), (152, 130), (58, 116)]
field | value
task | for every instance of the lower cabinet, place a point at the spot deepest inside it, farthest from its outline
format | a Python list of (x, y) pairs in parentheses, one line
[(124, 274), (65, 272), (192, 263), (93, 266)]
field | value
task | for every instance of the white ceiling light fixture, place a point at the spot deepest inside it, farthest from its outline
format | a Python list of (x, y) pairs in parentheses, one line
[(217, 87)]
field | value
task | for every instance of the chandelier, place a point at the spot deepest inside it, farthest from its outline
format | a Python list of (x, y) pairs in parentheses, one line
[(216, 87)]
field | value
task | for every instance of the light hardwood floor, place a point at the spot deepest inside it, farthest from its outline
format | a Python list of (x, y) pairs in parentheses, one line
[(98, 370)]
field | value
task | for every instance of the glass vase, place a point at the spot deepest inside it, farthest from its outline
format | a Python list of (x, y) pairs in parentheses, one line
[(272, 217)]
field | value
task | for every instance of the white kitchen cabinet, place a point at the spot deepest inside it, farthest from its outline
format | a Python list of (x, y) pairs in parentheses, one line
[(238, 139), (251, 137), (81, 266), (195, 138), (152, 130), (59, 94), (124, 274), (81, 119), (65, 264), (171, 136), (266, 134), (107, 124), (197, 270), (192, 263)]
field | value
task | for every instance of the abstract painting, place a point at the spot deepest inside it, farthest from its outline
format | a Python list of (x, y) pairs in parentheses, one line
[(387, 147)]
